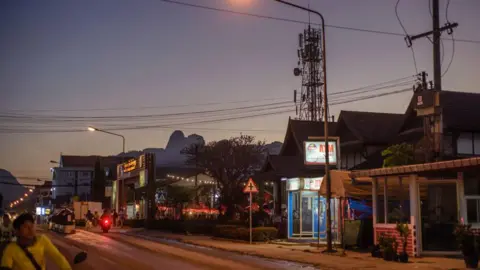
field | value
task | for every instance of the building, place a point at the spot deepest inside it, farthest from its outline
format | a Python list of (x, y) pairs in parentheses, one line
[(132, 189), (74, 175)]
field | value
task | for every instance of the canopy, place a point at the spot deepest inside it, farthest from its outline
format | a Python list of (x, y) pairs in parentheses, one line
[(343, 186)]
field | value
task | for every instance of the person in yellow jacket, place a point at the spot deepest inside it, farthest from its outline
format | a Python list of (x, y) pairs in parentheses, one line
[(28, 252)]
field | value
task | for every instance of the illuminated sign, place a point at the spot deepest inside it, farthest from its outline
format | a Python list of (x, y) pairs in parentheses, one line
[(315, 152), (130, 165), (293, 184), (312, 183)]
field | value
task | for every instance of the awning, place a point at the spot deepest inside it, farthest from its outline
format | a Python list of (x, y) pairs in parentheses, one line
[(343, 186)]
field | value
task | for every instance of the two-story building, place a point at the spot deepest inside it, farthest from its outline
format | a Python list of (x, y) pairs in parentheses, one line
[(74, 175)]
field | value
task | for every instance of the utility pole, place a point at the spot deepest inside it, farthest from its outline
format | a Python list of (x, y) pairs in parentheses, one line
[(196, 174), (436, 34)]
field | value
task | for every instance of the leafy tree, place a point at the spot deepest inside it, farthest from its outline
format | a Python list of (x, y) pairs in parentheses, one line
[(398, 155), (99, 182), (178, 196), (230, 162)]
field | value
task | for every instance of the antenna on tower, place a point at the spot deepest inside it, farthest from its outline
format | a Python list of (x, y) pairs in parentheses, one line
[(309, 67)]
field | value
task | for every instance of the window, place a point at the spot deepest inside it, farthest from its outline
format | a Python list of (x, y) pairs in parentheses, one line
[(473, 209), (476, 143), (85, 174), (465, 143), (472, 197), (70, 174)]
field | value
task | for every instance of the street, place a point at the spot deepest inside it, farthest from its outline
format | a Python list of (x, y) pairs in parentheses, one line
[(118, 251)]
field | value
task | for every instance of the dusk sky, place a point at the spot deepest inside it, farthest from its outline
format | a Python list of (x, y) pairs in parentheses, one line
[(78, 58)]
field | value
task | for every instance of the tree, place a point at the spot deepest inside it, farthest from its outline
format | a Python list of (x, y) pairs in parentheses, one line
[(98, 185), (230, 162), (398, 155), (178, 196)]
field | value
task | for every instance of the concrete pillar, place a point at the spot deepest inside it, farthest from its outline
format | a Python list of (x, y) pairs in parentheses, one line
[(374, 207), (414, 213), (461, 204)]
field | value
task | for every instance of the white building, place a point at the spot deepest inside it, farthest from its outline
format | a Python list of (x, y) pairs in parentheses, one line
[(77, 173)]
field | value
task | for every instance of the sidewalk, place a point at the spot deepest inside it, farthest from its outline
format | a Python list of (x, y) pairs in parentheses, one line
[(302, 253)]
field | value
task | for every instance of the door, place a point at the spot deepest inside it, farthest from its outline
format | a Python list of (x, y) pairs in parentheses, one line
[(439, 215)]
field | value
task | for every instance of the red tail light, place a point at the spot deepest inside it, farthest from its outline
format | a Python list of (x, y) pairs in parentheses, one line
[(106, 221)]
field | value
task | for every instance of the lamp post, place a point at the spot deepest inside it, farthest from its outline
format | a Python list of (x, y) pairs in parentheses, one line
[(111, 133), (90, 128), (325, 116)]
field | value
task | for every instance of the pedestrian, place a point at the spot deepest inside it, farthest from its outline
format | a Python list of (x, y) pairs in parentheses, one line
[(29, 251), (96, 218), (89, 216), (121, 216), (115, 218)]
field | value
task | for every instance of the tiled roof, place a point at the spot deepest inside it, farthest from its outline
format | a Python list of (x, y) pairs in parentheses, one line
[(459, 110), (291, 166), (372, 127), (418, 168), (89, 161)]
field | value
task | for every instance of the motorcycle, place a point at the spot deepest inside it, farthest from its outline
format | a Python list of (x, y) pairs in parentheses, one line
[(106, 224)]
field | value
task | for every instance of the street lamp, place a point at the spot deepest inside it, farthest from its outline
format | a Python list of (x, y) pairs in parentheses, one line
[(325, 129), (111, 133), (90, 128)]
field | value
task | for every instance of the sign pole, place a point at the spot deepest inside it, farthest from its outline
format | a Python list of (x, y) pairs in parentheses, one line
[(250, 187), (250, 218)]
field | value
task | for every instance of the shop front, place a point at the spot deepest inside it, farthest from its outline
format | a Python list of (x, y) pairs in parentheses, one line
[(133, 176), (306, 214)]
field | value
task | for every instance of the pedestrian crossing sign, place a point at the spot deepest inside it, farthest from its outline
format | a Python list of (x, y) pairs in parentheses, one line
[(250, 187)]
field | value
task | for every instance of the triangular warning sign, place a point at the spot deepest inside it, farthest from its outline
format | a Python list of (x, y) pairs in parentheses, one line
[(250, 187), (162, 197)]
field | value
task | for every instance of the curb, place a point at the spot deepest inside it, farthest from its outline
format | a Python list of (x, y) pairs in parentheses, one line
[(321, 266)]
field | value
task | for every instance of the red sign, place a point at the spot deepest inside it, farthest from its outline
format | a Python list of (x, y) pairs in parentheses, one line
[(250, 187)]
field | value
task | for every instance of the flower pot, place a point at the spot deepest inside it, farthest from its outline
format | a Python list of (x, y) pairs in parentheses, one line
[(471, 261), (389, 255), (403, 257)]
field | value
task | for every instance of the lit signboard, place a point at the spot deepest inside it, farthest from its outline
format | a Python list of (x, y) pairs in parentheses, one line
[(315, 152), (312, 183), (293, 184), (130, 165)]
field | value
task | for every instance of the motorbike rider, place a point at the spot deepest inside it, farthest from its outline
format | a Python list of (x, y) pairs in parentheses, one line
[(28, 252)]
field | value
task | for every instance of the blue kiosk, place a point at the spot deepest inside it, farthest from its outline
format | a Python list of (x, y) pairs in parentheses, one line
[(303, 209)]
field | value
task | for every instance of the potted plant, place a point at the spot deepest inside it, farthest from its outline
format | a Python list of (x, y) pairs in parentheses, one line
[(466, 241), (404, 232), (387, 245)]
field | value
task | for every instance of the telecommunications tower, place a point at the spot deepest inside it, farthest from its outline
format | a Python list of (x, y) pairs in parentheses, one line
[(309, 104)]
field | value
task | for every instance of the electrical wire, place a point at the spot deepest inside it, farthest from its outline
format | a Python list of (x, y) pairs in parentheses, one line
[(208, 121), (406, 34), (297, 21), (151, 107), (453, 41)]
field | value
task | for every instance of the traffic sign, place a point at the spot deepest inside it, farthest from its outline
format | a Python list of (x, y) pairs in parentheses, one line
[(250, 187)]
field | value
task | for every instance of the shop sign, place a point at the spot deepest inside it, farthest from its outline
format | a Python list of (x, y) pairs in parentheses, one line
[(130, 165), (142, 179), (293, 184), (312, 183), (315, 152)]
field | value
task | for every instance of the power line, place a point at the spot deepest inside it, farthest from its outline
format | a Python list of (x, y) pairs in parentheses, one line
[(406, 34), (297, 21), (453, 41), (151, 107), (276, 112)]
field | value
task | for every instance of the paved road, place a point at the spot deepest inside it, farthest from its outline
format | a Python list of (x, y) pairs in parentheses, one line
[(117, 251)]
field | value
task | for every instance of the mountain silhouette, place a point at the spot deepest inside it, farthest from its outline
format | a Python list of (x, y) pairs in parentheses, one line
[(10, 188), (171, 155)]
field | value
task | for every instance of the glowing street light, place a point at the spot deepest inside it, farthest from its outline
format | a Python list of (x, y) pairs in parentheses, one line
[(25, 195), (91, 129), (31, 190), (21, 199)]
